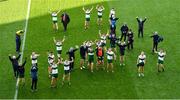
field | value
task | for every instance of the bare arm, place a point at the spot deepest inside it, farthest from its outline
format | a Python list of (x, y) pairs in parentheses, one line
[(58, 11), (84, 9), (91, 9), (54, 39), (63, 39)]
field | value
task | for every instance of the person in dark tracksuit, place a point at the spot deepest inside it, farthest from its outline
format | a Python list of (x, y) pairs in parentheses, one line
[(140, 26), (71, 54), (124, 31), (14, 61), (155, 41), (130, 39), (83, 54), (18, 40), (34, 76), (65, 19), (21, 71)]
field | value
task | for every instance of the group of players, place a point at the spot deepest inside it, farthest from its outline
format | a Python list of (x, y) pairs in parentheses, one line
[(87, 52)]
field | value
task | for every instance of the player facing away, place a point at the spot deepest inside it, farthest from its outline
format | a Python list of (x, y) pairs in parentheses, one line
[(140, 64), (34, 56), (59, 44), (67, 70), (122, 47), (87, 17), (54, 74), (54, 16), (110, 57), (99, 9), (21, 72), (113, 39), (83, 54), (160, 64), (100, 57), (91, 58), (103, 38), (51, 59)]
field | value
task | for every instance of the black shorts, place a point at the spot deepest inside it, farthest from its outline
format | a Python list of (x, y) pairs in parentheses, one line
[(59, 51), (66, 72), (101, 58), (99, 16), (122, 53), (54, 22), (21, 75), (83, 57)]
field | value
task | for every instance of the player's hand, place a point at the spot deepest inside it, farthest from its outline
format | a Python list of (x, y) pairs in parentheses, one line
[(145, 17)]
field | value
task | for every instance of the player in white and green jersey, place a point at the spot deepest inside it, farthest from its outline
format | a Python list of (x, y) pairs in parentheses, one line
[(103, 38), (140, 64), (110, 57), (54, 74), (67, 70), (51, 59), (59, 44), (91, 58), (100, 9), (54, 15), (87, 17), (161, 56)]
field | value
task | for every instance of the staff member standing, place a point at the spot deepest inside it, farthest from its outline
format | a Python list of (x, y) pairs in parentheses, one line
[(140, 26), (65, 19), (71, 54), (124, 31), (130, 39), (34, 76), (18, 40), (155, 41), (14, 61)]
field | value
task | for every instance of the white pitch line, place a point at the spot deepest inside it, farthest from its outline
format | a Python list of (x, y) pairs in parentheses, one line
[(23, 45)]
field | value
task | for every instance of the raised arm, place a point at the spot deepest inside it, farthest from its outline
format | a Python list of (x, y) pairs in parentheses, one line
[(107, 34), (10, 57), (97, 7), (100, 33), (145, 19), (54, 39), (18, 56), (58, 11), (50, 11), (84, 9), (103, 7), (24, 62), (137, 18), (91, 8), (63, 39)]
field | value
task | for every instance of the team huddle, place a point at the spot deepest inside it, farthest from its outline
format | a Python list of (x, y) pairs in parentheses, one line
[(103, 48)]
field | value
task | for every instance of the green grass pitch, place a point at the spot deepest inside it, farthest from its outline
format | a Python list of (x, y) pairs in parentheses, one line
[(163, 16)]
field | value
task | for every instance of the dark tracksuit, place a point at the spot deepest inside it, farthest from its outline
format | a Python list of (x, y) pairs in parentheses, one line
[(124, 30), (15, 65), (83, 52), (18, 43), (113, 25), (140, 27), (122, 49), (130, 40), (113, 40), (34, 76), (155, 42), (65, 19), (21, 70), (71, 55)]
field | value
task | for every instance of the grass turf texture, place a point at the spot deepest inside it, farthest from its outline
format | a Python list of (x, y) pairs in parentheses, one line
[(124, 83)]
